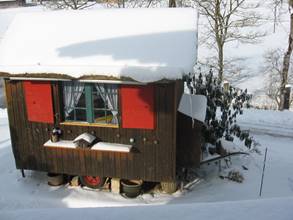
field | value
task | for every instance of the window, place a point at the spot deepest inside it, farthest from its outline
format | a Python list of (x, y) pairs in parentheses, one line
[(92, 103)]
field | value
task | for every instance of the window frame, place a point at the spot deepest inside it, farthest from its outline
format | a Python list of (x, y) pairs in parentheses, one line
[(74, 108), (90, 108)]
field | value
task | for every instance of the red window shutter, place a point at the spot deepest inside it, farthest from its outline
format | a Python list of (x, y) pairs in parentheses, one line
[(137, 104), (38, 100)]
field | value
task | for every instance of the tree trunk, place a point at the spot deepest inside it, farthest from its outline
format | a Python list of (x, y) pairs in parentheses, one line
[(287, 98), (286, 65), (172, 3), (219, 39), (221, 61)]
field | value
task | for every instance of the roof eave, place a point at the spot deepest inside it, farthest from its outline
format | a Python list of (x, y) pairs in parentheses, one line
[(85, 78)]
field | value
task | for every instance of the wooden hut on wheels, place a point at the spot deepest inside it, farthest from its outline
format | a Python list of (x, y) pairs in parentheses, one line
[(96, 93)]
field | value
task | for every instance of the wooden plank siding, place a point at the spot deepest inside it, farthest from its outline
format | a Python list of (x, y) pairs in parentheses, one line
[(149, 161), (189, 141), (189, 136), (12, 126)]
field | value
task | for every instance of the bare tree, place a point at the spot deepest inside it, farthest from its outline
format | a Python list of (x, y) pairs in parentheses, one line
[(277, 8), (286, 59), (132, 3), (172, 3), (226, 20), (82, 4), (274, 69), (71, 4)]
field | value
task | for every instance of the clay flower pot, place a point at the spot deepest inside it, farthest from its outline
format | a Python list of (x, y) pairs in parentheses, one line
[(131, 188)]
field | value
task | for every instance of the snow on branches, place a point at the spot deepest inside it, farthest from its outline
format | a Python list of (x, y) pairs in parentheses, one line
[(224, 104)]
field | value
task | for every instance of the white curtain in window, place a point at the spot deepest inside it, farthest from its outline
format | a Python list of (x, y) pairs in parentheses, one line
[(109, 95), (72, 92)]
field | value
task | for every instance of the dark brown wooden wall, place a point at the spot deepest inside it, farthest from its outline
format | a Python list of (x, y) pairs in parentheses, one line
[(189, 141), (189, 137), (151, 162)]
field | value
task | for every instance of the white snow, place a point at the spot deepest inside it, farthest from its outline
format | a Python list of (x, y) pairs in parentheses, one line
[(144, 44), (194, 106), (105, 146), (7, 16), (85, 136), (60, 143), (267, 121), (279, 208), (31, 197), (101, 146)]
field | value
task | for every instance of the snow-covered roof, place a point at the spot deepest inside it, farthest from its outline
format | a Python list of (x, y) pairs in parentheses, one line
[(143, 44)]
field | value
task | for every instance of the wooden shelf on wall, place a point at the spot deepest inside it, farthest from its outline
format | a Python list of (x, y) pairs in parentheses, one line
[(100, 146)]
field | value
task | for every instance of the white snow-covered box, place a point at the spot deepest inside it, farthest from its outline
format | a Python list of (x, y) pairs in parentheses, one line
[(84, 140)]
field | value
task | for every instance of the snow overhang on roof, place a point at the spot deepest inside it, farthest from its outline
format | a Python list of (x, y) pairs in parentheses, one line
[(145, 45)]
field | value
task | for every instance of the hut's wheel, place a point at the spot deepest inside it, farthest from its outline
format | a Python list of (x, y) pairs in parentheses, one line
[(94, 182), (169, 187)]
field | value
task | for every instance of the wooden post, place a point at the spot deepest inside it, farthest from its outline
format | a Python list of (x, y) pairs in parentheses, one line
[(169, 187), (287, 95), (22, 173), (226, 86), (263, 172), (115, 185)]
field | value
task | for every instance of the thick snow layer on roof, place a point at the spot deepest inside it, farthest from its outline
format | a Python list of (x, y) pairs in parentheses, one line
[(144, 44)]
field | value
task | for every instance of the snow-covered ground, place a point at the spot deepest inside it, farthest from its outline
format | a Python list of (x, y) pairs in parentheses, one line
[(278, 208), (209, 197), (31, 197), (268, 122)]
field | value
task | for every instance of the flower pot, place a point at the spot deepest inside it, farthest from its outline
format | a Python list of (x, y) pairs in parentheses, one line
[(131, 188), (54, 138)]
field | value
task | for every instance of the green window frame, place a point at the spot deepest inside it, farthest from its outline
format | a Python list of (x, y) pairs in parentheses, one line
[(90, 102)]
